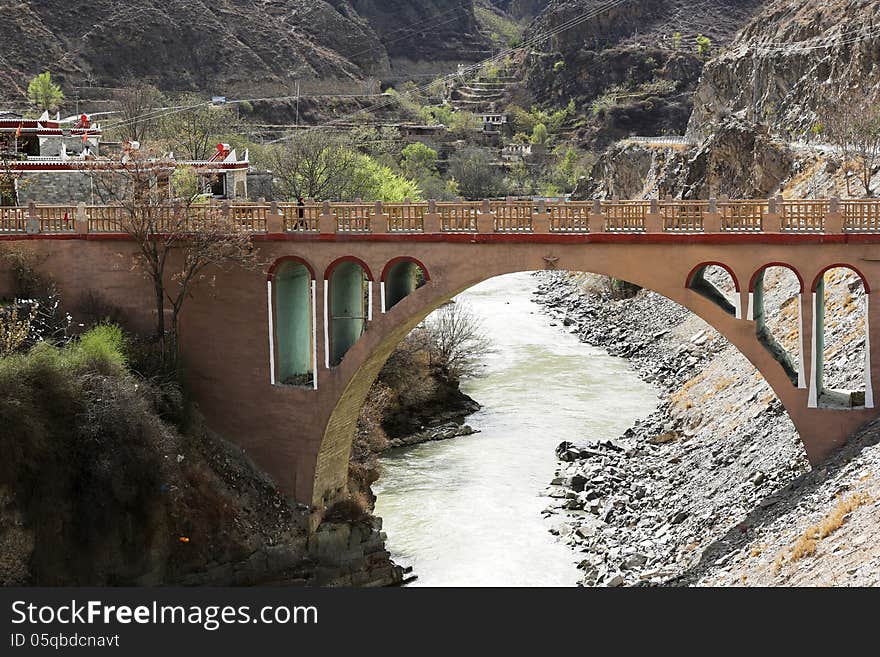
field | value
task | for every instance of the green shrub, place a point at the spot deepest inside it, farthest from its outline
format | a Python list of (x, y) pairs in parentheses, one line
[(419, 161), (621, 289), (436, 115), (382, 184), (704, 46), (80, 451), (539, 134), (101, 349)]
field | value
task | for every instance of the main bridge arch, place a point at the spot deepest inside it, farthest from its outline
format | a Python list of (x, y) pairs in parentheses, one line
[(300, 433), (670, 273)]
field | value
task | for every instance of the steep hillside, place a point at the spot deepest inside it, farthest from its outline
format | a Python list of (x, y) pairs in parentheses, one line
[(631, 67), (519, 9), (753, 101), (714, 488), (230, 46), (646, 22), (789, 60), (423, 35), (737, 159)]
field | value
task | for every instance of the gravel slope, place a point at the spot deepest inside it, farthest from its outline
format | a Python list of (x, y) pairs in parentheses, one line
[(719, 468)]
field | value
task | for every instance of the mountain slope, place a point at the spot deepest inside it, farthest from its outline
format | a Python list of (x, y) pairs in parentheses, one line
[(631, 67), (788, 61), (228, 46)]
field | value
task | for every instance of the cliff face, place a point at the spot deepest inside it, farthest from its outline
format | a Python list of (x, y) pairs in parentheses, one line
[(643, 22), (519, 9), (766, 90), (440, 30), (737, 159), (788, 61), (229, 46), (632, 68)]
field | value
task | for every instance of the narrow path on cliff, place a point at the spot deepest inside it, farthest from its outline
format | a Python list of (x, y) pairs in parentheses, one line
[(467, 511)]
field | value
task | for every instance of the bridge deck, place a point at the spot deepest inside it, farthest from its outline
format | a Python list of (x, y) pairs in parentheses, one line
[(740, 218)]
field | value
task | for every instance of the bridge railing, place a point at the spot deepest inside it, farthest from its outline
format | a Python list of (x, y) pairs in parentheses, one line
[(103, 218), (405, 217), (354, 217), (251, 217), (683, 216), (46, 219), (861, 216), (803, 216), (458, 217), (13, 219), (625, 216), (570, 217), (742, 216), (774, 215), (297, 218), (512, 217), (56, 218)]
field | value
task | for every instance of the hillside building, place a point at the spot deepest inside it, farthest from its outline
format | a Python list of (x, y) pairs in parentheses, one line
[(54, 160)]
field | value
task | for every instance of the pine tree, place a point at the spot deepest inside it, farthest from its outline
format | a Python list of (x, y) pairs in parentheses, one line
[(45, 94)]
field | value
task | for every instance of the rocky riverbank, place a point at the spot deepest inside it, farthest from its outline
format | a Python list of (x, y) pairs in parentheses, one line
[(445, 431), (413, 401), (704, 474)]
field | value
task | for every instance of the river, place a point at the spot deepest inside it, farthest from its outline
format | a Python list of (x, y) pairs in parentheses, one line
[(467, 511)]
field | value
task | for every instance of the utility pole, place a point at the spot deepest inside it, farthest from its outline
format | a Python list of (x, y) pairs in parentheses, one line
[(297, 103)]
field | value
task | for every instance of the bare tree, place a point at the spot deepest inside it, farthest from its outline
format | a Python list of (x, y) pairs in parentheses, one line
[(193, 132), (866, 144), (455, 342), (136, 107), (852, 124), (11, 181), (177, 240), (476, 174), (317, 164)]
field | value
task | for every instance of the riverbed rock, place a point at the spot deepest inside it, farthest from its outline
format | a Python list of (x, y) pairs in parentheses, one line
[(673, 480)]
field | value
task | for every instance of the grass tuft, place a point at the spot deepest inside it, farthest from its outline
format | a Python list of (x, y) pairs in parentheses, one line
[(807, 542)]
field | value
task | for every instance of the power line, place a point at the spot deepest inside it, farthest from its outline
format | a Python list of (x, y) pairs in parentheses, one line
[(161, 112), (477, 66), (408, 30), (474, 68)]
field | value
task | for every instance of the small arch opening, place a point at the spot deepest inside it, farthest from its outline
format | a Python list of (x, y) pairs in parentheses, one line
[(294, 323), (349, 307), (842, 368), (717, 283), (776, 308), (402, 277)]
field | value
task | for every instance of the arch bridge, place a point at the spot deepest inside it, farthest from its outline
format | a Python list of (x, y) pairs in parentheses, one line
[(282, 360)]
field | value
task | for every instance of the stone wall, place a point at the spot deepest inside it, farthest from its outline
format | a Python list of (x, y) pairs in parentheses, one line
[(55, 187), (237, 184), (259, 185)]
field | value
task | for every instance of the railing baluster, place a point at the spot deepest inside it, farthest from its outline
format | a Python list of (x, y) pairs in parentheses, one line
[(618, 216)]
